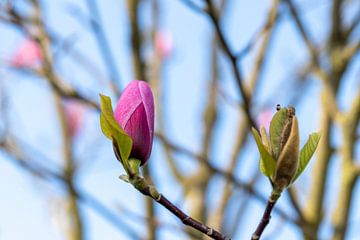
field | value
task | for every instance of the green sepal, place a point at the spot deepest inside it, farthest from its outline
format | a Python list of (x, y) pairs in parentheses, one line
[(276, 127), (267, 162), (306, 153), (134, 165), (125, 178), (111, 129)]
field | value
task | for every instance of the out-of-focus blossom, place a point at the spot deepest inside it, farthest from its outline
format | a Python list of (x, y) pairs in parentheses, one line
[(163, 44), (74, 116), (135, 114), (265, 117), (27, 54)]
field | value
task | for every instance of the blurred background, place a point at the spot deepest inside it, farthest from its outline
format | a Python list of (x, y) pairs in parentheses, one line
[(216, 69)]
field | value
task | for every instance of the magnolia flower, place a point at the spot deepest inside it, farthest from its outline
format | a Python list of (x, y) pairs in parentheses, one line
[(265, 117), (27, 55), (135, 114), (163, 44), (74, 115)]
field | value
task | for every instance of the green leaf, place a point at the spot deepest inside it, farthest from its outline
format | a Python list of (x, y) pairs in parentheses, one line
[(112, 130), (267, 162), (266, 142), (276, 126), (306, 153)]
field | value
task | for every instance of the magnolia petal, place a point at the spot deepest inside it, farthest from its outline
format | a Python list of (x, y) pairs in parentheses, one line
[(135, 114)]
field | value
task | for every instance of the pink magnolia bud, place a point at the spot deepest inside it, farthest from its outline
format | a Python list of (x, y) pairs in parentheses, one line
[(74, 116), (135, 114), (163, 44), (265, 117), (27, 55)]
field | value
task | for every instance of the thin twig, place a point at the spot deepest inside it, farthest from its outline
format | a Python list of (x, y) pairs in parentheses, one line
[(22, 160), (185, 219), (191, 5), (265, 219), (237, 73), (103, 43), (229, 176)]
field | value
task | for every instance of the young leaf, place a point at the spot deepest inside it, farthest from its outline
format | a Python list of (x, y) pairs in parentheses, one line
[(306, 153), (276, 126), (112, 130), (267, 162)]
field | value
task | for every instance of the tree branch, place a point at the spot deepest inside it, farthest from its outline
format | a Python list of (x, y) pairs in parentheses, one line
[(237, 73), (264, 220), (185, 219)]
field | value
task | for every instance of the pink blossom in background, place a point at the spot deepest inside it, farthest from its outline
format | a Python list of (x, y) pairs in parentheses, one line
[(74, 116), (163, 44), (135, 114), (265, 117), (26, 55)]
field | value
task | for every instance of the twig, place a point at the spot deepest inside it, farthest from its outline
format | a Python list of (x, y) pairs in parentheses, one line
[(193, 6), (136, 39), (46, 174), (142, 186), (103, 43), (266, 216), (237, 73), (229, 176), (300, 25), (185, 219)]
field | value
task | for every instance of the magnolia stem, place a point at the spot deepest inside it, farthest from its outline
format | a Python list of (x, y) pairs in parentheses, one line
[(266, 216), (185, 219)]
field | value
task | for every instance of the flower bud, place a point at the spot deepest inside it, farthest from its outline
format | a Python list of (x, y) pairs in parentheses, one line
[(28, 54), (135, 114), (287, 163)]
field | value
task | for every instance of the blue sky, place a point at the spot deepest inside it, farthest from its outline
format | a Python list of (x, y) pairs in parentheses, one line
[(30, 208)]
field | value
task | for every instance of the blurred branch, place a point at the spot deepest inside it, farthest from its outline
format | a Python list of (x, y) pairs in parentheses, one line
[(353, 25), (18, 157), (139, 72), (304, 33), (242, 133), (212, 13), (158, 85), (193, 6), (75, 231), (261, 55), (136, 39), (349, 175), (103, 44), (231, 177), (42, 37)]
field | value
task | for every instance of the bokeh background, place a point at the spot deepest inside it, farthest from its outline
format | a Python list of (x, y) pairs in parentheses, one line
[(216, 68)]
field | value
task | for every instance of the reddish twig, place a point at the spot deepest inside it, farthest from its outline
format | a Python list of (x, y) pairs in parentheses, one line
[(185, 219), (264, 220)]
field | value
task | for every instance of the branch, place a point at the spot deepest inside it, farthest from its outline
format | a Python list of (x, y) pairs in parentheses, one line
[(19, 158), (229, 176), (264, 220), (136, 39), (190, 4), (103, 43), (226, 48), (304, 34), (185, 219)]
